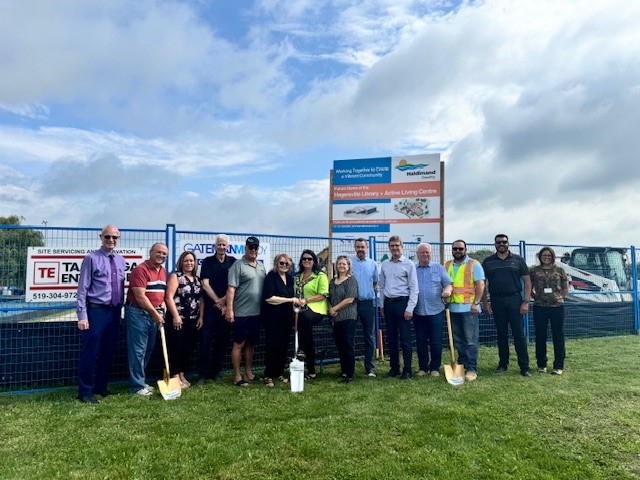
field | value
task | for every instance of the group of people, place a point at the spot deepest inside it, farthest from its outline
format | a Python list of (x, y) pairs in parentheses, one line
[(237, 297)]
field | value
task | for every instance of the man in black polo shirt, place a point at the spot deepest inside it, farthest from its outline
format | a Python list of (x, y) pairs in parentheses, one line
[(505, 271), (214, 274)]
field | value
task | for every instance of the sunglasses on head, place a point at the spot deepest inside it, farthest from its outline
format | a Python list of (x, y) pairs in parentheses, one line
[(110, 237)]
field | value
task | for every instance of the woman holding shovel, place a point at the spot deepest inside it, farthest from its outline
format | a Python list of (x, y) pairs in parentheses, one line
[(185, 307), (277, 315)]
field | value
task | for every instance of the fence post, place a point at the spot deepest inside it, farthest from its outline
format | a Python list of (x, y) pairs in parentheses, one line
[(170, 240), (373, 255), (634, 287), (523, 254)]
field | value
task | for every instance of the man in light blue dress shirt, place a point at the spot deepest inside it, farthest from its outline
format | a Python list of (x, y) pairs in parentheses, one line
[(365, 270), (399, 295)]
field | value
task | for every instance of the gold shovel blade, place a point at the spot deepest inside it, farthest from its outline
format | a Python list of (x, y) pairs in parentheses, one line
[(454, 374)]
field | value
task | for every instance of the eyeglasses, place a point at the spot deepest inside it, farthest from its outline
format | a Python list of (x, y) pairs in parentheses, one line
[(307, 259), (111, 237), (502, 242), (457, 249), (283, 264), (253, 247)]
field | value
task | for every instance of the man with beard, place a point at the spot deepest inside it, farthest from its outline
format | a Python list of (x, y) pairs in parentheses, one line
[(468, 287), (506, 272)]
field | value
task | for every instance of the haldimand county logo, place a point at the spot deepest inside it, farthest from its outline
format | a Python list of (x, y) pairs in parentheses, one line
[(415, 169), (403, 165)]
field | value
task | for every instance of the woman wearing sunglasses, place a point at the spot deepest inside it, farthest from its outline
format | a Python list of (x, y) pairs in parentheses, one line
[(277, 315), (312, 287)]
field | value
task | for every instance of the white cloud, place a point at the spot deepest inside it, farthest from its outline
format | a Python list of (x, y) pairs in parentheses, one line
[(533, 105)]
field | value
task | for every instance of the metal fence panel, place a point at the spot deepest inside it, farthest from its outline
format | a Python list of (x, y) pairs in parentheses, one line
[(40, 342)]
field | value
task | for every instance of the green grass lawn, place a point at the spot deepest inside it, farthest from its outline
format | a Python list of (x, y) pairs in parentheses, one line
[(584, 424)]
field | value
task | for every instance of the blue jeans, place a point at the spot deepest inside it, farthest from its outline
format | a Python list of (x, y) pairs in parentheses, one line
[(429, 338), (367, 318), (394, 318), (98, 346), (141, 338), (466, 334)]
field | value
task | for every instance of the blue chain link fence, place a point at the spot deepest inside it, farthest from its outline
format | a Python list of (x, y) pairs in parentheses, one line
[(40, 342)]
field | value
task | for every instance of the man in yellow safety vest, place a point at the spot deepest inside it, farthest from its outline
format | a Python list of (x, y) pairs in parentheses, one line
[(468, 287)]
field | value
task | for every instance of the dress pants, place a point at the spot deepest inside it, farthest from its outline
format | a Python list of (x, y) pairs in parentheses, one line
[(396, 324), (506, 312), (98, 347), (541, 317)]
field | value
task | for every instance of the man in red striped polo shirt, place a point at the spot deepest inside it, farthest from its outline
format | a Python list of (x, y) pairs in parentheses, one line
[(143, 312)]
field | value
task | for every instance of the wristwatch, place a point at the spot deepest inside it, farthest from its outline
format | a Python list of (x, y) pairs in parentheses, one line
[(476, 303)]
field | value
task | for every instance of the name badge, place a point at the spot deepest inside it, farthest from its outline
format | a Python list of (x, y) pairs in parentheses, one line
[(548, 290)]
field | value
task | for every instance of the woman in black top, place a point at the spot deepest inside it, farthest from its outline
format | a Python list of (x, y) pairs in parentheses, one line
[(277, 314), (185, 307)]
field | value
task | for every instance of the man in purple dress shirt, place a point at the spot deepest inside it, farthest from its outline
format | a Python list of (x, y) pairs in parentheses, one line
[(99, 302)]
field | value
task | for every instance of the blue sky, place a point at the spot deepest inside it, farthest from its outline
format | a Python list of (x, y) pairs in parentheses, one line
[(227, 115)]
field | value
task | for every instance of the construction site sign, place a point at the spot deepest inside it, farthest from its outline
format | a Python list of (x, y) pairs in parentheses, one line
[(388, 196), (53, 273)]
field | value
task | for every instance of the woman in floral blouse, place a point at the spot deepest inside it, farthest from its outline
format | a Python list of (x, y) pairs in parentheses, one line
[(186, 308), (549, 286)]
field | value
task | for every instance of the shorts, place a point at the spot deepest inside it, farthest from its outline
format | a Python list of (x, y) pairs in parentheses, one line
[(246, 329)]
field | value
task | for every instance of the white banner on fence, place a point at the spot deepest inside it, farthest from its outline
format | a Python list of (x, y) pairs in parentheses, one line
[(203, 249), (53, 273)]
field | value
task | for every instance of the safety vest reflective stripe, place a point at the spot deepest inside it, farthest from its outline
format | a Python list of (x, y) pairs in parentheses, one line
[(463, 284)]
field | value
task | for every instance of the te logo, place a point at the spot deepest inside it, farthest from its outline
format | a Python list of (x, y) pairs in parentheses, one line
[(46, 273)]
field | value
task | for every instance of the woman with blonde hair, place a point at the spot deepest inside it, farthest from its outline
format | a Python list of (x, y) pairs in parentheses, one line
[(343, 312), (277, 315)]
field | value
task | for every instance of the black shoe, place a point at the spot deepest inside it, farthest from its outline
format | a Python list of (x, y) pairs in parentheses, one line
[(88, 398), (392, 373), (405, 376), (104, 393), (301, 356), (346, 379), (525, 373), (501, 369)]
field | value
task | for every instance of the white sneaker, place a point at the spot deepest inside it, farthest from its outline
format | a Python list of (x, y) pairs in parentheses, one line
[(556, 371), (371, 374), (144, 392), (421, 373), (148, 387), (435, 373)]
